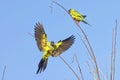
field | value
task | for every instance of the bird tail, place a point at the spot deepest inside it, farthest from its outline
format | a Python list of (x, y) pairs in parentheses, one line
[(85, 22), (42, 65)]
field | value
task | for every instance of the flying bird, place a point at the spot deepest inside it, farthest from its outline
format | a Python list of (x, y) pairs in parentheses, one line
[(77, 16), (49, 48)]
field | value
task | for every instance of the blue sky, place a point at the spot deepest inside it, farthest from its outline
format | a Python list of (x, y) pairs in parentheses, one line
[(19, 52)]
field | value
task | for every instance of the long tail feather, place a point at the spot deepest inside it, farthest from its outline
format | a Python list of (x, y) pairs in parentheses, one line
[(84, 22), (42, 65)]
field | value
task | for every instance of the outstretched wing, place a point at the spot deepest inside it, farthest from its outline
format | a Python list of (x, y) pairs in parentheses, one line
[(40, 36), (63, 45)]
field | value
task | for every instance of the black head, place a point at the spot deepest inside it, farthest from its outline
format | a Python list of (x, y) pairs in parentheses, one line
[(52, 43)]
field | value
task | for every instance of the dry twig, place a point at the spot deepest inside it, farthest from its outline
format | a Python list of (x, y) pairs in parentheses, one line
[(113, 54), (70, 67), (79, 67), (3, 73)]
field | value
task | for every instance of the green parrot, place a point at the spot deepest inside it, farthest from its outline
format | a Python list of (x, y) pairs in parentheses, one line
[(49, 48), (77, 16)]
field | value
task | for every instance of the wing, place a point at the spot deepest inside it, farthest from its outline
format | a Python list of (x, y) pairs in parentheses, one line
[(40, 36), (63, 45)]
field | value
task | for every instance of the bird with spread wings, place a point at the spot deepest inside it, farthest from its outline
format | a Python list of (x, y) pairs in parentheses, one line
[(49, 48), (77, 16)]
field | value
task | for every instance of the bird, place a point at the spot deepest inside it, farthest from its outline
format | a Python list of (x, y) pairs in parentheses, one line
[(77, 16), (49, 48)]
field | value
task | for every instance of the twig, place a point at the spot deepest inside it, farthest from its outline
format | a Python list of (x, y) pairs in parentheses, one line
[(91, 52), (85, 45), (79, 67), (3, 73), (91, 71), (113, 54), (60, 6), (70, 68), (105, 77)]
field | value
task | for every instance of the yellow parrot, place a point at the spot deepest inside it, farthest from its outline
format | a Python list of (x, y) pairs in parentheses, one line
[(77, 16), (49, 48)]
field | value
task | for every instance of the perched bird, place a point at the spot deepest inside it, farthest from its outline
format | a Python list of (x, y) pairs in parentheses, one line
[(49, 48), (77, 16)]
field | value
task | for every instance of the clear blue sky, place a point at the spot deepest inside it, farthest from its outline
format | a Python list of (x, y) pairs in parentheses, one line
[(19, 52)]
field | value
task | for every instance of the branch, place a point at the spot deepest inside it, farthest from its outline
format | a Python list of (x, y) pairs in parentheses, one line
[(113, 54), (79, 67), (70, 68), (60, 6), (3, 73)]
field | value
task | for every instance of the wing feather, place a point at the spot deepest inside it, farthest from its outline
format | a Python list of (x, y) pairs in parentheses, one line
[(40, 36), (63, 45)]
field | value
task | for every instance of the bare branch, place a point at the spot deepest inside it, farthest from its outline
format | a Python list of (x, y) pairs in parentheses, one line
[(91, 52), (85, 45), (70, 68), (79, 67), (60, 6), (3, 73), (92, 72), (113, 54), (104, 76)]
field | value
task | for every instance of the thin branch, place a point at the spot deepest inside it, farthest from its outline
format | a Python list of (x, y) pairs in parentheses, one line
[(79, 67), (111, 69), (113, 54), (91, 52), (70, 68), (104, 76), (92, 72), (114, 60), (3, 73), (60, 6), (85, 45)]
